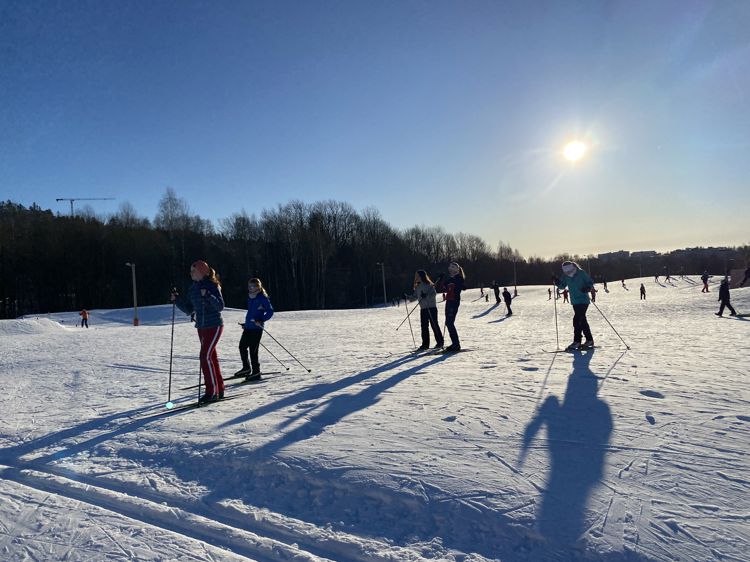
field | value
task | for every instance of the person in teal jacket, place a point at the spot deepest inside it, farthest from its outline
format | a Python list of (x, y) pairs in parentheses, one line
[(579, 284)]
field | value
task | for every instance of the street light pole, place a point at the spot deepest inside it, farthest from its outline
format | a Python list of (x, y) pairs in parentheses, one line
[(515, 279), (135, 294), (382, 271)]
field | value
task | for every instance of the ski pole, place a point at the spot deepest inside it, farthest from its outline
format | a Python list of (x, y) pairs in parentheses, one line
[(410, 328), (169, 404), (611, 326), (272, 355), (407, 316), (557, 331), (285, 349)]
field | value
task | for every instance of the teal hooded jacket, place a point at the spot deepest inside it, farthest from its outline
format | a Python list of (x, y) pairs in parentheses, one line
[(579, 286)]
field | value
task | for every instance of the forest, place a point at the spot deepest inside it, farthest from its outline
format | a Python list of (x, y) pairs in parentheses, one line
[(321, 255)]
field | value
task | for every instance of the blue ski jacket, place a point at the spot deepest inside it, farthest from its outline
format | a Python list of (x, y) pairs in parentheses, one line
[(580, 285), (207, 308), (258, 308)]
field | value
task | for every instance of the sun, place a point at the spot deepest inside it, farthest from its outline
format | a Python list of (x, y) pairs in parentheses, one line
[(574, 151)]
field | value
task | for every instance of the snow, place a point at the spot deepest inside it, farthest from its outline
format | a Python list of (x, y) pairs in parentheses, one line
[(504, 452)]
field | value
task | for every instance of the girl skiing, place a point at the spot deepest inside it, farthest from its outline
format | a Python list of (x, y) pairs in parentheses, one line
[(205, 301), (424, 290), (259, 310), (579, 283), (453, 288)]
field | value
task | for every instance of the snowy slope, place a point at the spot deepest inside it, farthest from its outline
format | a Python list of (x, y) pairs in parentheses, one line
[(504, 452)]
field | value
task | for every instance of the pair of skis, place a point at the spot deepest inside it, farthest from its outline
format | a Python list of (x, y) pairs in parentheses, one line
[(238, 382)]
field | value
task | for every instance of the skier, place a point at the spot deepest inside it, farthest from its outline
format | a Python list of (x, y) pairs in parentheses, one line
[(424, 291), (605, 287), (643, 292), (453, 288), (507, 298), (259, 310), (656, 278), (204, 298), (593, 294), (579, 284), (496, 289), (549, 294), (724, 299), (623, 285), (84, 314), (747, 276), (704, 278), (565, 295)]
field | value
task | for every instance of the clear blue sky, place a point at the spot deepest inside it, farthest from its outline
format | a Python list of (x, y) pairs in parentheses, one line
[(437, 113)]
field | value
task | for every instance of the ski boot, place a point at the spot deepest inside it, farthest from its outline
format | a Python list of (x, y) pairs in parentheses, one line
[(588, 344), (208, 398), (575, 346), (252, 377)]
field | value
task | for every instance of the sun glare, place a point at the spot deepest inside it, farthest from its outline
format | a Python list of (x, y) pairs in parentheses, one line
[(574, 151)]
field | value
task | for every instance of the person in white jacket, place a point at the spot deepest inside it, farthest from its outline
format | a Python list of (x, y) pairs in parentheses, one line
[(424, 291)]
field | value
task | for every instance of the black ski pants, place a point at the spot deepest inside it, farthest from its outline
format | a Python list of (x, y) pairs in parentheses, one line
[(729, 306), (250, 340), (451, 311), (580, 324), (428, 317)]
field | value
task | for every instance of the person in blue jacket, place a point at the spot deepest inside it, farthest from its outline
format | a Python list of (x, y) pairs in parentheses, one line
[(204, 300), (579, 283), (259, 310)]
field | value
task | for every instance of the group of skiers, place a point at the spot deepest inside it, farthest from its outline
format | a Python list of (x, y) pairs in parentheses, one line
[(204, 303)]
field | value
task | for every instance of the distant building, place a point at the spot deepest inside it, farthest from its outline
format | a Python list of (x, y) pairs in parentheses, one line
[(644, 254), (614, 255)]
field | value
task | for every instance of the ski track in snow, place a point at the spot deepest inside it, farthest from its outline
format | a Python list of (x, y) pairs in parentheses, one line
[(507, 453)]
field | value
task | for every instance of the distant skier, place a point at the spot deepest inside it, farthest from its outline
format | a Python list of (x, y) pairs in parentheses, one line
[(643, 292), (724, 299), (605, 287), (704, 278), (549, 294), (259, 311), (580, 284), (204, 298), (453, 287), (507, 298), (565, 295), (424, 291), (84, 314), (593, 294), (747, 276), (496, 290), (656, 277)]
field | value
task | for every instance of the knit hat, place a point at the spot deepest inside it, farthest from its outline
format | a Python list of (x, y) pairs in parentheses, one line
[(569, 268), (201, 267)]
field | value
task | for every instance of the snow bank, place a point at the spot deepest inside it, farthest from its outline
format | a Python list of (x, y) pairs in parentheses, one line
[(26, 326)]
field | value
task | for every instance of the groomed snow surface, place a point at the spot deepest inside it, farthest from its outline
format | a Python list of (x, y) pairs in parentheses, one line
[(505, 452)]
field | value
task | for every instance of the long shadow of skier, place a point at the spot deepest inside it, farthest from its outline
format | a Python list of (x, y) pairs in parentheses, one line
[(338, 407), (319, 390), (578, 431), (110, 423), (486, 312)]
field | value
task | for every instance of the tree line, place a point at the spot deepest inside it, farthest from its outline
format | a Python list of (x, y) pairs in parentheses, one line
[(309, 256)]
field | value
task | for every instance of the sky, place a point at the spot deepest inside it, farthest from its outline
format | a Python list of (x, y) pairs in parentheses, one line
[(441, 113)]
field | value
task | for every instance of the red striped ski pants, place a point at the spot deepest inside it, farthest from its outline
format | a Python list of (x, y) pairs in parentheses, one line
[(210, 359)]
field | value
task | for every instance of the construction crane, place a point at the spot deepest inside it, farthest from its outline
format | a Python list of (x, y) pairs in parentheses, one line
[(71, 199)]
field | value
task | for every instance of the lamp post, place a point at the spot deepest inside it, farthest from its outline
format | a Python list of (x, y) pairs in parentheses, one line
[(382, 271), (135, 297), (515, 279)]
